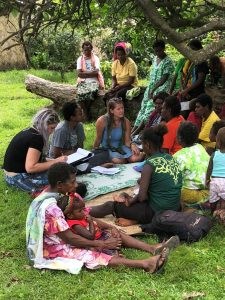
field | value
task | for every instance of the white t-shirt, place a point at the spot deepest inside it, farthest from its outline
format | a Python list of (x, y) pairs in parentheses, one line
[(89, 67)]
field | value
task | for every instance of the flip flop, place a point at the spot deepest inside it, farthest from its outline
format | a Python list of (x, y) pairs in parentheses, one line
[(171, 243), (164, 254)]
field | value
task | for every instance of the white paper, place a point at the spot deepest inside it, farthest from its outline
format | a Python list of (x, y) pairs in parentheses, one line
[(106, 171), (185, 105), (80, 154)]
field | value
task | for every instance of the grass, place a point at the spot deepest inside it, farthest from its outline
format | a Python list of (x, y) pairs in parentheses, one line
[(199, 267)]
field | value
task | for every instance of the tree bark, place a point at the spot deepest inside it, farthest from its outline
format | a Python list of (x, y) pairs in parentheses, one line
[(177, 39), (59, 93)]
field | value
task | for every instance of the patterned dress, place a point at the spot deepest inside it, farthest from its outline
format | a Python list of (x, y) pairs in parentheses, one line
[(54, 246), (165, 66), (193, 162)]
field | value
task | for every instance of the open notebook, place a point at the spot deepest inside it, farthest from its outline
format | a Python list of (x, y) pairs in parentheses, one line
[(80, 156)]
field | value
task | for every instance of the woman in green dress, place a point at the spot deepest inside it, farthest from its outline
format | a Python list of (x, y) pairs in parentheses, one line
[(161, 75)]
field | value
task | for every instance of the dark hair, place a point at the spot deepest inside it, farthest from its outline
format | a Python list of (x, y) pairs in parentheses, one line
[(63, 201), (220, 138), (60, 172), (159, 44), (87, 43), (173, 104), (154, 135), (195, 44), (68, 110), (161, 95), (119, 48), (188, 133), (205, 100), (216, 126)]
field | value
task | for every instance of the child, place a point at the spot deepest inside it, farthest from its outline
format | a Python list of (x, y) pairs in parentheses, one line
[(215, 176), (81, 223)]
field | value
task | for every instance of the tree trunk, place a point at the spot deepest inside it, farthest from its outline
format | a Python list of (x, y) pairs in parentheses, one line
[(59, 93)]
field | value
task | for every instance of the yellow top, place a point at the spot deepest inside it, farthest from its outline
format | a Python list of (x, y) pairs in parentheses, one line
[(123, 72), (205, 130)]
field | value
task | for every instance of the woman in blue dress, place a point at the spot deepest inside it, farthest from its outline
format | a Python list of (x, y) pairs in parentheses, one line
[(113, 133)]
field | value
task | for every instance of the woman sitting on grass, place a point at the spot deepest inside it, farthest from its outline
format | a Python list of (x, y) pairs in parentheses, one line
[(170, 112), (113, 133), (204, 109), (160, 185), (193, 161), (24, 163), (52, 244), (154, 117)]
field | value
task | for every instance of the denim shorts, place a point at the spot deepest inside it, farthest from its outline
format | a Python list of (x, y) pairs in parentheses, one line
[(28, 182)]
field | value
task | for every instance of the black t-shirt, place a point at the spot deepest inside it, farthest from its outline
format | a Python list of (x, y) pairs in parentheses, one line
[(199, 68), (15, 156)]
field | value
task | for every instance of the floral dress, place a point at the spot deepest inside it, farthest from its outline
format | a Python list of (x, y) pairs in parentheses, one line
[(54, 246), (165, 67)]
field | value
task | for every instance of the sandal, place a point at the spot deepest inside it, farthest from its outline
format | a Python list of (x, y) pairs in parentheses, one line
[(171, 243), (164, 255)]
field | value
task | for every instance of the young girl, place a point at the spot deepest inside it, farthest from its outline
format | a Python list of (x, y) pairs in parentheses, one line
[(81, 223), (215, 176)]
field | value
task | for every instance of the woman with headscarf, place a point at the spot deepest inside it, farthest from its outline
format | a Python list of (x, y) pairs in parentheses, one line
[(124, 72), (24, 163)]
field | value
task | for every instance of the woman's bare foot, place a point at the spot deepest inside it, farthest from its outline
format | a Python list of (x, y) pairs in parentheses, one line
[(122, 197), (125, 222)]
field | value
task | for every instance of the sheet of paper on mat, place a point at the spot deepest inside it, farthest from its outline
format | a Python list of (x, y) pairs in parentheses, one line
[(80, 154), (106, 171)]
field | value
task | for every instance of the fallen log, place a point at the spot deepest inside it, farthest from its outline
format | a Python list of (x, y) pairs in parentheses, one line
[(59, 93)]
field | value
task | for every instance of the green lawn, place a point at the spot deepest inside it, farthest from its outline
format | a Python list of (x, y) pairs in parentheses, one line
[(199, 267)]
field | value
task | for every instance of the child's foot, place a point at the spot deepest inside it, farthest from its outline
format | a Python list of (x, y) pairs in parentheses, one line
[(125, 222)]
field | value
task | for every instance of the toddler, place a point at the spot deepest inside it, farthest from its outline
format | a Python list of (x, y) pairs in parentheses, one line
[(215, 176), (81, 223)]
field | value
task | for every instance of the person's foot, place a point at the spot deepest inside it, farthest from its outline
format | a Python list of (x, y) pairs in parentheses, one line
[(125, 222), (156, 264), (171, 243)]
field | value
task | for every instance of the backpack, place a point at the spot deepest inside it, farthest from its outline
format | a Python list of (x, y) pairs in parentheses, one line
[(190, 227)]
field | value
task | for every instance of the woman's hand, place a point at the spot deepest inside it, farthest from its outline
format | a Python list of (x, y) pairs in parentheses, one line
[(135, 149), (62, 158)]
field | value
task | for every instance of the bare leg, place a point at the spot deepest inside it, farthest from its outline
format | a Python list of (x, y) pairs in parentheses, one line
[(130, 242), (100, 211), (151, 265)]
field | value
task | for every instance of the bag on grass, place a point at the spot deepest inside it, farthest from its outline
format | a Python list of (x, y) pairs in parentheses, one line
[(190, 227)]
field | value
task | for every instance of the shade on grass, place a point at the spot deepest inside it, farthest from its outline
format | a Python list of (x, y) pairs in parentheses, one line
[(199, 267)]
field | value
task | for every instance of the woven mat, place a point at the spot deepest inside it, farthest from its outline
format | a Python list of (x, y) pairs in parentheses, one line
[(130, 230), (99, 184)]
